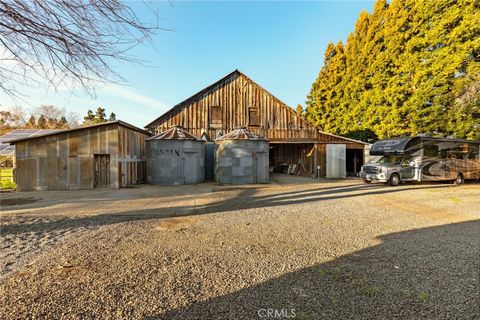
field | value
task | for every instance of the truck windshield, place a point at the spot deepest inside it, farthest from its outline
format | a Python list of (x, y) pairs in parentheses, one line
[(390, 159)]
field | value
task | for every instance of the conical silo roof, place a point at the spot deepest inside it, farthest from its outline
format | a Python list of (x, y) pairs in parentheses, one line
[(174, 133), (240, 134)]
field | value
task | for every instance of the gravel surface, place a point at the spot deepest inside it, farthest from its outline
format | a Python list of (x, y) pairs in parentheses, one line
[(296, 248)]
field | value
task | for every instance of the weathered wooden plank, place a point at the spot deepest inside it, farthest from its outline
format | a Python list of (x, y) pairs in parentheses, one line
[(20, 149), (86, 169), (73, 143), (236, 94)]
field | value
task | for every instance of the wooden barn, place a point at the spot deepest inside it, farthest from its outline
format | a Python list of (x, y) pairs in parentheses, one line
[(296, 145), (105, 155)]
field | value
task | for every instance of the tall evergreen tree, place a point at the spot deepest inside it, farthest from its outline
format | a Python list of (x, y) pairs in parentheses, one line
[(406, 69), (100, 115), (42, 122), (89, 118), (299, 109), (32, 123), (62, 123), (52, 123)]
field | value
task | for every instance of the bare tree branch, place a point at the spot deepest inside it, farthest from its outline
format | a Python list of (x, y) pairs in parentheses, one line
[(67, 43)]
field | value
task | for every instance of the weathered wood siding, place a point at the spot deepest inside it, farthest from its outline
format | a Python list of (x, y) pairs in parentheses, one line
[(131, 157), (236, 95), (65, 160)]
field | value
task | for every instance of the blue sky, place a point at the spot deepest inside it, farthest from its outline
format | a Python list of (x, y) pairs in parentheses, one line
[(280, 45)]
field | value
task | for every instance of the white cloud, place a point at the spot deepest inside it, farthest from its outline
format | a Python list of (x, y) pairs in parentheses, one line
[(129, 94)]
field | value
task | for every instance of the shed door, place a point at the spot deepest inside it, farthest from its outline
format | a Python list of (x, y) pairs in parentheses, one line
[(336, 161), (190, 167), (101, 166), (261, 167)]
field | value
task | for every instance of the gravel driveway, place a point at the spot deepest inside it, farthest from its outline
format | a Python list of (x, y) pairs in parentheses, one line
[(296, 248)]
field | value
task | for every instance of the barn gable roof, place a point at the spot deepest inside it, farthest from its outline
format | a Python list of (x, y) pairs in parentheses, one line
[(236, 73)]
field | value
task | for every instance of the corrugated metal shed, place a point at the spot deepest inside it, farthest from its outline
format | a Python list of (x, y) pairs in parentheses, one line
[(104, 155)]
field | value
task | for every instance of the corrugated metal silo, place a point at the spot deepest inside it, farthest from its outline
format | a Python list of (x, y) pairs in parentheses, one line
[(175, 157), (241, 157)]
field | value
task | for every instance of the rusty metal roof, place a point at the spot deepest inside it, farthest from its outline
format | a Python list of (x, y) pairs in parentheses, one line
[(240, 134), (174, 133), (53, 132)]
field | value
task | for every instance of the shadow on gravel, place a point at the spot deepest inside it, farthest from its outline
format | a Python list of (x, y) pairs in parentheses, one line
[(430, 273), (247, 199), (44, 199)]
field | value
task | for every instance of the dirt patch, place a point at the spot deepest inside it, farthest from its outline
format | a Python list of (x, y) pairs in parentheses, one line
[(174, 224), (333, 250), (18, 201)]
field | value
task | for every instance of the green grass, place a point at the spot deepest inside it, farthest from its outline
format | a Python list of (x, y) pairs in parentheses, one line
[(6, 178), (455, 199), (423, 296)]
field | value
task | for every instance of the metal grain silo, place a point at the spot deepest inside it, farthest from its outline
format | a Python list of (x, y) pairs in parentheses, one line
[(241, 157), (175, 157)]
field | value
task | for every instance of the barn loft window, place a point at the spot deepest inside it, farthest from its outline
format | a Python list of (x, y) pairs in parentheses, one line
[(216, 115), (253, 116)]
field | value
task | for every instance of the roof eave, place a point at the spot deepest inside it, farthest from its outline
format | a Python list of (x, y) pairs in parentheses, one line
[(119, 122)]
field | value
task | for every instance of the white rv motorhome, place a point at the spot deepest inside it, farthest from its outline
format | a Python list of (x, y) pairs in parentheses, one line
[(423, 159)]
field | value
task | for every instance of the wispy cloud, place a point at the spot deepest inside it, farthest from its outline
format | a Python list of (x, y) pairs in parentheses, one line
[(129, 94)]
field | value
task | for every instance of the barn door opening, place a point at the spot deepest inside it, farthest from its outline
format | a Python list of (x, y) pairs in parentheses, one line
[(336, 161), (261, 167), (101, 167)]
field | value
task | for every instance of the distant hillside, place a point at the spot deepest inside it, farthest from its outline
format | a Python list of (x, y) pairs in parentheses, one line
[(410, 67)]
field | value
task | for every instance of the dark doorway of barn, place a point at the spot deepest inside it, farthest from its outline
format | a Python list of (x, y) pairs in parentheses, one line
[(101, 167), (354, 161), (301, 155)]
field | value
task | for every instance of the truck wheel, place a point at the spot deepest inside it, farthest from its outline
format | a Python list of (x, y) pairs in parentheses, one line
[(394, 180), (459, 179)]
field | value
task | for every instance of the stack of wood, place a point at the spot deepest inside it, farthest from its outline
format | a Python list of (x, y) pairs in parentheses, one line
[(297, 169)]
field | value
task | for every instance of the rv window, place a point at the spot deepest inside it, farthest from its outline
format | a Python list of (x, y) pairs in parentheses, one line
[(390, 159), (430, 150), (408, 162), (473, 155)]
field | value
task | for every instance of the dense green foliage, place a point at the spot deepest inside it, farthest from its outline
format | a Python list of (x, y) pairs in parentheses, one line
[(98, 117), (6, 178), (409, 67)]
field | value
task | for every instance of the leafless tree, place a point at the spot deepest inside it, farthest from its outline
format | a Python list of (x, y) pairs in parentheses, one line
[(67, 43), (13, 117)]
